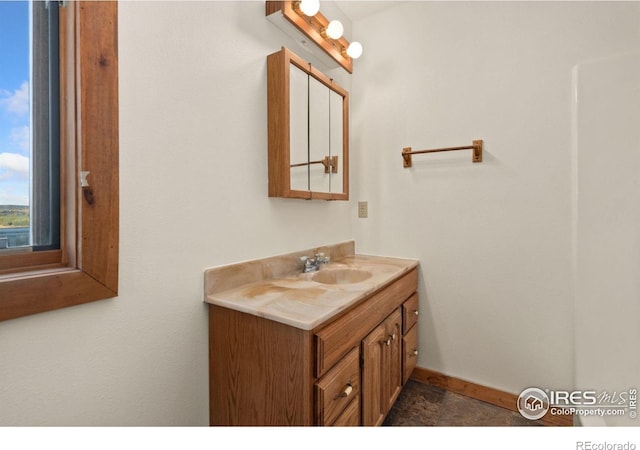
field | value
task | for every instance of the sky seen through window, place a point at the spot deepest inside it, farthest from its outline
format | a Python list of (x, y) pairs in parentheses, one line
[(14, 103)]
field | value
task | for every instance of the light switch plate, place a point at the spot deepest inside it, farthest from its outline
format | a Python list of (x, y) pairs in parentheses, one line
[(363, 210)]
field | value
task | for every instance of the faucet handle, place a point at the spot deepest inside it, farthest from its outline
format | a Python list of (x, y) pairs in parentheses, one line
[(321, 258)]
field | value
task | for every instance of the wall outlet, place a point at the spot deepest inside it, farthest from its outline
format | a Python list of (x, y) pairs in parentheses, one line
[(363, 210)]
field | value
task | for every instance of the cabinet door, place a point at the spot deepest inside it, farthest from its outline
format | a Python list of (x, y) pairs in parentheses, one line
[(319, 135), (393, 363), (336, 142), (326, 138), (372, 349), (381, 369), (299, 128)]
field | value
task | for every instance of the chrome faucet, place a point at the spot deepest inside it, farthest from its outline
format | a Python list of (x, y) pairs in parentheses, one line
[(313, 264)]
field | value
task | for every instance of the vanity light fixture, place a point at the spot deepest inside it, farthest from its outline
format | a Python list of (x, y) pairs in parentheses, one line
[(354, 50), (327, 35), (334, 30), (308, 7)]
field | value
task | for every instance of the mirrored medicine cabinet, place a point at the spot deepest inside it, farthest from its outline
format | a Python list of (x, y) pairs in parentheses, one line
[(308, 128)]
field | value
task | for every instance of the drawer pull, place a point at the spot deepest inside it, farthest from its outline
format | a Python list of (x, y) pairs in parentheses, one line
[(415, 312), (347, 391)]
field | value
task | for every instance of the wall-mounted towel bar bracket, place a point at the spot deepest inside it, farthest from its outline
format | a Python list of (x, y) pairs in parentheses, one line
[(476, 154)]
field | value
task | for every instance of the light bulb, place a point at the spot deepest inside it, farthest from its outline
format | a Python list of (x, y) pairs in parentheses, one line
[(334, 29), (354, 50), (310, 7)]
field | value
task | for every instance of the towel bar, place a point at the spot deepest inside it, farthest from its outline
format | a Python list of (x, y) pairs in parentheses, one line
[(476, 154)]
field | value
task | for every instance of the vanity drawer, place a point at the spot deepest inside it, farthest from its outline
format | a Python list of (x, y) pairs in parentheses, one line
[(337, 338), (409, 353), (409, 313), (350, 417), (338, 388)]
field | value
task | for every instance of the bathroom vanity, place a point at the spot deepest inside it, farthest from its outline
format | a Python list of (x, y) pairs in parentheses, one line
[(331, 347)]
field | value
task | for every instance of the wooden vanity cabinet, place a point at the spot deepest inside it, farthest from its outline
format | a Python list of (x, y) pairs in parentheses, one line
[(347, 371)]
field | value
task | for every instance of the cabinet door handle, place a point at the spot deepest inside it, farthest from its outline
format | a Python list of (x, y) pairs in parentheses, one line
[(414, 352), (347, 391), (415, 312), (389, 338)]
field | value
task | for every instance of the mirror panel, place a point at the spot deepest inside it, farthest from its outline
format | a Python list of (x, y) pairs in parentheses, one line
[(336, 149), (299, 131), (319, 136)]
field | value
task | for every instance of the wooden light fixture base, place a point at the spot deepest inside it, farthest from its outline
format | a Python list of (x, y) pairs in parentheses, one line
[(313, 28)]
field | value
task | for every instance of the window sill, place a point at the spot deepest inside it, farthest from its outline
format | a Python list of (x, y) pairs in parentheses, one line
[(39, 292)]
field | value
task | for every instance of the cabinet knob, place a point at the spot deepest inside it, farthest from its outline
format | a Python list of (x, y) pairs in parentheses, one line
[(415, 352), (415, 312), (347, 390), (388, 340)]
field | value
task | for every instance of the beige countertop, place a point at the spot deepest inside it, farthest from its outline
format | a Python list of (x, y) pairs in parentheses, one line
[(296, 299)]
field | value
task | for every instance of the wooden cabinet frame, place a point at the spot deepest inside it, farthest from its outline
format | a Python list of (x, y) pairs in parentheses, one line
[(279, 127), (86, 267)]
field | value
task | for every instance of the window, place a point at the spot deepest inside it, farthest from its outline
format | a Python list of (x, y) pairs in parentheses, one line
[(71, 253), (29, 127)]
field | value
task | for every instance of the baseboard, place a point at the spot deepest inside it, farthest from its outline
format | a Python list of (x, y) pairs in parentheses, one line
[(484, 393)]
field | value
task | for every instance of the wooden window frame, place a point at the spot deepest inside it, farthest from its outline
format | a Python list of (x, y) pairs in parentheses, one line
[(85, 269)]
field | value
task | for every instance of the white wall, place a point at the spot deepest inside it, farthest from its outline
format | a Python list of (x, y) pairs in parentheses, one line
[(494, 239), (193, 149), (607, 214)]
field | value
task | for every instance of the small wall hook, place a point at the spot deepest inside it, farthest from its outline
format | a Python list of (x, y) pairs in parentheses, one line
[(83, 179)]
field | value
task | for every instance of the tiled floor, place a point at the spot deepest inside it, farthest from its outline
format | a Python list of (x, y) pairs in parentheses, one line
[(423, 405)]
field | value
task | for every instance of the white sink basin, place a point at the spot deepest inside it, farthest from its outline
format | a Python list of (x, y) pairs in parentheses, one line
[(341, 276)]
